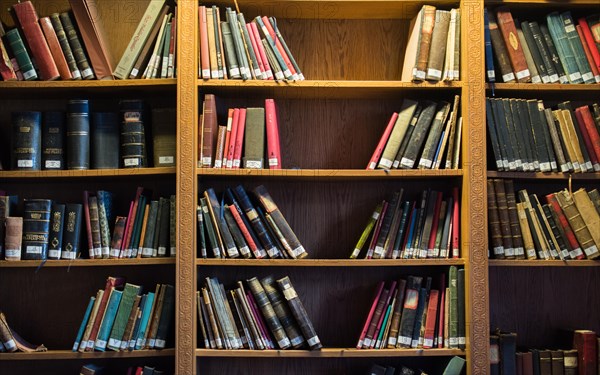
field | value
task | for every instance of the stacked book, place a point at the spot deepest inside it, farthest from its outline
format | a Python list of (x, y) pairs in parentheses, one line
[(454, 367), (526, 136), (566, 227), (433, 48), (237, 226), (409, 313), (424, 135), (79, 139), (265, 314), (555, 50), (11, 341), (241, 142), (120, 317), (425, 228), (583, 358), (230, 48)]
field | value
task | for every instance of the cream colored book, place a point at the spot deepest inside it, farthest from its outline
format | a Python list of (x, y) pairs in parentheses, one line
[(588, 214), (154, 56), (393, 144), (412, 47), (575, 140), (212, 44), (566, 134), (448, 72)]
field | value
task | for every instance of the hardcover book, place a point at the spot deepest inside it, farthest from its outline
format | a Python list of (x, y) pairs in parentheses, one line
[(26, 141), (78, 134), (53, 140), (105, 140), (36, 228)]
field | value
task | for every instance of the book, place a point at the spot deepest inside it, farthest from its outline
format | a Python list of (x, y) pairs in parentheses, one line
[(108, 319), (72, 231), (424, 44), (15, 42), (500, 49), (130, 291), (53, 140), (78, 134), (164, 129), (26, 140), (272, 132), (439, 36), (76, 45), (55, 239), (143, 59), (36, 228), (13, 238), (105, 140), (67, 51), (397, 134), (208, 131), (133, 134), (84, 322), (55, 48)]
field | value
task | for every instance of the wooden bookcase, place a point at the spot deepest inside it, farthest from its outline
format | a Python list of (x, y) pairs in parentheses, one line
[(543, 301)]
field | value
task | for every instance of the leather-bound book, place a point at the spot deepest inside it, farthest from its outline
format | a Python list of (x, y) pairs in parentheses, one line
[(299, 312), (594, 195), (55, 48), (117, 237), (26, 140), (505, 225), (164, 129), (208, 131), (64, 45), (563, 222), (582, 232), (36, 228), (527, 363), (271, 318), (570, 364), (7, 206), (424, 45), (283, 312), (558, 362), (78, 135), (507, 343), (105, 216), (57, 219), (133, 135), (534, 50), (513, 46), (28, 21), (72, 230), (590, 216), (76, 45), (437, 52), (398, 133), (105, 140), (15, 42), (497, 244), (556, 231), (13, 238), (409, 312), (586, 344), (95, 226), (53, 140), (544, 51), (513, 215), (500, 51), (553, 54)]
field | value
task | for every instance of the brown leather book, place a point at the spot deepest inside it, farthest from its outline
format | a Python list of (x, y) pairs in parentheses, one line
[(582, 233), (528, 363), (590, 217), (427, 25), (55, 49), (570, 363), (513, 46), (208, 130), (439, 37), (513, 215), (90, 25), (545, 362), (500, 50), (497, 245), (28, 20), (558, 362), (13, 238), (509, 248)]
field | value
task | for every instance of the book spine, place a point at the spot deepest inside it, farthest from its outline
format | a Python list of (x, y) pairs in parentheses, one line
[(544, 51), (76, 46), (26, 139), (515, 229), (64, 45), (513, 46), (575, 44), (72, 231), (272, 131), (53, 136), (553, 53), (21, 55), (565, 51), (426, 31), (36, 229), (577, 223), (270, 316), (13, 239), (57, 219), (7, 69), (500, 51), (78, 135), (133, 135), (105, 140)]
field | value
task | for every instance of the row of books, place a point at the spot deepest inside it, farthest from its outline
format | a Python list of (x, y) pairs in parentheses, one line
[(238, 226), (55, 47), (566, 227), (454, 367), (425, 228), (266, 314), (234, 49), (80, 140), (526, 136), (409, 313), (433, 48), (119, 317), (583, 358), (558, 51), (424, 135), (11, 341), (240, 143), (93, 369), (52, 230)]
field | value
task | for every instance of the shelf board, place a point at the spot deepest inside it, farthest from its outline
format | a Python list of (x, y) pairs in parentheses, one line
[(321, 88), (331, 173), (88, 262), (541, 175), (88, 173), (68, 354), (87, 84), (543, 263), (329, 262), (552, 3), (541, 87), (331, 353)]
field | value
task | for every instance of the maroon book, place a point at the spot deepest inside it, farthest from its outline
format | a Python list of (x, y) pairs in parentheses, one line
[(585, 343)]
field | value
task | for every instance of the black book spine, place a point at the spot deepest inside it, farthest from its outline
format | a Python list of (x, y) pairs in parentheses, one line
[(421, 306), (260, 251), (166, 317), (26, 139), (163, 235), (78, 134), (53, 140), (428, 156), (407, 136), (237, 235), (493, 135), (105, 140), (541, 118), (133, 136), (57, 218), (201, 236), (418, 136), (535, 52), (538, 39), (379, 251), (72, 230), (526, 133), (553, 53), (283, 312), (556, 230), (511, 130), (500, 120), (36, 229), (409, 311), (517, 128), (539, 137)]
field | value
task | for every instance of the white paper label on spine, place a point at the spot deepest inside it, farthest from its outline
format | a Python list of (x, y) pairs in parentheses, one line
[(434, 73), (162, 250), (279, 75), (100, 344), (491, 74), (284, 343), (290, 293), (33, 249), (298, 340), (54, 253), (554, 78), (313, 341), (131, 162), (427, 343), (385, 163), (13, 254), (68, 255), (425, 163), (254, 164), (29, 74), (591, 250), (406, 162), (10, 344), (575, 76), (589, 76), (25, 163), (508, 77), (536, 79), (545, 79), (392, 341), (165, 159), (114, 343), (52, 164), (160, 343), (523, 74), (272, 252)]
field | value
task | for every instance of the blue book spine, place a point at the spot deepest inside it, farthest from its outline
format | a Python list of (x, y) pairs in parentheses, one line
[(108, 320), (489, 58), (565, 52), (139, 341), (411, 233), (575, 42), (131, 343), (86, 317)]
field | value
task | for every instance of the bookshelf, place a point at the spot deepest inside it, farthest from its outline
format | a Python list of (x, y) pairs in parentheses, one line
[(556, 297)]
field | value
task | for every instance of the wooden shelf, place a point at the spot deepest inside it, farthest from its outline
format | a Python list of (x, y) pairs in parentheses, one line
[(331, 353), (329, 262), (543, 263), (541, 87), (88, 173), (552, 3), (322, 88), (87, 84), (547, 176), (87, 262), (332, 173), (68, 354)]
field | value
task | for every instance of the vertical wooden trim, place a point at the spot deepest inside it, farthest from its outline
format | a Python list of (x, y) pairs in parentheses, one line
[(186, 195), (474, 228)]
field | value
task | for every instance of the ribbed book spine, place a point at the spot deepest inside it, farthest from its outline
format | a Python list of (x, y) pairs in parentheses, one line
[(78, 134), (283, 312), (36, 228), (53, 140), (17, 46), (105, 140), (26, 139), (64, 45), (270, 316), (76, 46), (133, 137)]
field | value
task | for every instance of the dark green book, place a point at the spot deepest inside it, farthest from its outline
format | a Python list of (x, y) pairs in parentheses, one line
[(406, 140), (563, 46), (493, 135), (455, 366), (122, 316), (503, 138), (283, 312), (453, 313), (64, 45), (212, 242), (578, 52), (147, 250), (166, 317), (76, 46), (21, 55), (535, 52), (200, 232), (72, 230), (78, 134), (543, 50)]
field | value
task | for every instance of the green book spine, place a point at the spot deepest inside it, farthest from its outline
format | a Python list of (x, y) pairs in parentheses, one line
[(108, 320), (453, 313), (565, 52), (18, 48), (578, 52), (122, 315)]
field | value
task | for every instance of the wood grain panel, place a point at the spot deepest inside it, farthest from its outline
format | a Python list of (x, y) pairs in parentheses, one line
[(56, 367)]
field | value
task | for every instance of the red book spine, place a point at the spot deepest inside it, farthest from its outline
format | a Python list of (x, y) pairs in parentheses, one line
[(227, 136), (232, 139), (514, 48), (259, 60), (588, 53), (586, 121), (455, 225), (440, 320), (204, 56), (382, 316), (239, 139), (376, 232), (55, 48), (28, 19), (261, 51), (564, 223), (245, 232), (589, 40), (436, 221), (122, 247), (431, 317), (273, 148), (587, 351), (6, 67), (278, 45), (363, 333), (88, 223), (131, 221), (382, 142), (111, 282)]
